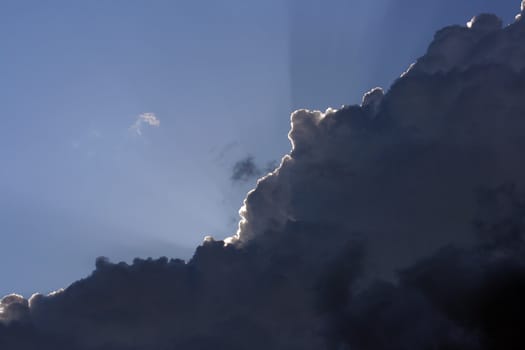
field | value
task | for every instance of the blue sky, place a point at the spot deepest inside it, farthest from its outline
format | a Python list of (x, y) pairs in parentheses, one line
[(77, 181)]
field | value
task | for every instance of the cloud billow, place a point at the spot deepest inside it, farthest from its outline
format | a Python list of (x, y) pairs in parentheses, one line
[(397, 224)]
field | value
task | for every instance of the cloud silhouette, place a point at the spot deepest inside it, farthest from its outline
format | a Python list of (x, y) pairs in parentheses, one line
[(396, 224)]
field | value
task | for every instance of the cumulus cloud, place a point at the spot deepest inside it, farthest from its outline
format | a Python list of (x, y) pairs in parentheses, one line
[(396, 224), (13, 308), (145, 119)]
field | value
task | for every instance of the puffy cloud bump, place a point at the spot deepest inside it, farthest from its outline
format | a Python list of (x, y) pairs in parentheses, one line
[(396, 224)]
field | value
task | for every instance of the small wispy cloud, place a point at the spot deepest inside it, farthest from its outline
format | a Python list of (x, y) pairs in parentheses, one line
[(144, 119), (246, 169)]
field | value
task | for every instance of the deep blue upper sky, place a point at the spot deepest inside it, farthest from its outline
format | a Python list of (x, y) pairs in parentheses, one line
[(77, 180)]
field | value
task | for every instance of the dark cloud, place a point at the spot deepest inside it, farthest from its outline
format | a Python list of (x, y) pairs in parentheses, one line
[(246, 169), (455, 299), (397, 224)]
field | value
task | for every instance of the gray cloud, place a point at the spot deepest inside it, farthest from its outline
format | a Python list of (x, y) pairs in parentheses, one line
[(397, 224), (246, 169)]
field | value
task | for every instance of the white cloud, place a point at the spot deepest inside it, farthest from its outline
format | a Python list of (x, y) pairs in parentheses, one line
[(144, 119)]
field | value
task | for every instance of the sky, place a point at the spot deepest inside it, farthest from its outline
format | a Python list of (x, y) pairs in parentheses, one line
[(85, 171), (140, 133)]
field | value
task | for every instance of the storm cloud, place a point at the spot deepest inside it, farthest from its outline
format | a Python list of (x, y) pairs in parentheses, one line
[(396, 224)]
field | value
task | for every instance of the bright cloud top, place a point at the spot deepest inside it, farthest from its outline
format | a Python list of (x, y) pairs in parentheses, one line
[(149, 119)]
